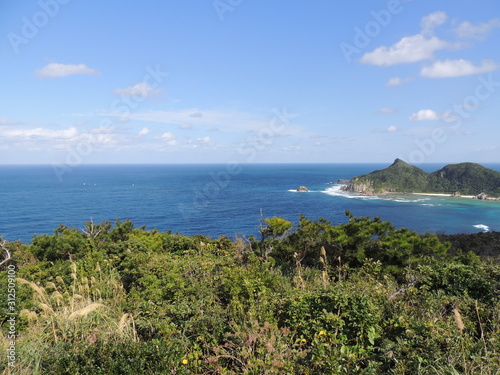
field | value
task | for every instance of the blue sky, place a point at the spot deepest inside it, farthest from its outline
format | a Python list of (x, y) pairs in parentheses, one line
[(220, 81)]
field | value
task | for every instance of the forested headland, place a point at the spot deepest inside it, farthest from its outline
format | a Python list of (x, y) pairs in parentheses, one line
[(313, 298), (466, 179)]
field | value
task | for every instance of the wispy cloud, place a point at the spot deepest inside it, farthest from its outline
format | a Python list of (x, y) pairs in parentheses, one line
[(4, 121), (387, 111), (144, 131), (54, 70), (408, 50), (18, 133), (457, 68), (413, 48), (226, 120), (389, 129), (431, 21), (480, 31), (202, 141), (170, 139), (142, 90), (53, 139), (396, 81)]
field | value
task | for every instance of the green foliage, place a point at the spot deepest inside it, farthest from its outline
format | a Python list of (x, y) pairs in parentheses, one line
[(398, 177), (107, 358), (357, 298), (360, 239), (64, 244), (276, 226), (465, 178)]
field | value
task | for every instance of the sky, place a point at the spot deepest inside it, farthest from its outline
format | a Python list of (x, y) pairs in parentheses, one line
[(249, 81)]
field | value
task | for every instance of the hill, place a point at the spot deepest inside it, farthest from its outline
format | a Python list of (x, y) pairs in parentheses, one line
[(457, 179), (362, 297)]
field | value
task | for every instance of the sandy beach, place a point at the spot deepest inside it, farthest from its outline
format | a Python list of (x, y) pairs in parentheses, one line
[(446, 195)]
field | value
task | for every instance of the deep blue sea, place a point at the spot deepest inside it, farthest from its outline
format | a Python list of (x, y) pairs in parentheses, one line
[(216, 199)]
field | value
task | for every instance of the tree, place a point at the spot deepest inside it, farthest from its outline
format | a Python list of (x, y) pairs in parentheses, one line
[(4, 249)]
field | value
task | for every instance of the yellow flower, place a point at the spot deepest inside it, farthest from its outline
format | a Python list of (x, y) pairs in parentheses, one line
[(322, 333), (185, 361), (303, 340)]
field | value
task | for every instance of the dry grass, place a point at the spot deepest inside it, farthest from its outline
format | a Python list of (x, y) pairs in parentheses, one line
[(71, 313), (458, 319), (84, 311)]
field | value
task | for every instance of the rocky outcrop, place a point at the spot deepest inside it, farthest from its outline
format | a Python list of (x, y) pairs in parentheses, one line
[(302, 189), (484, 197), (365, 188)]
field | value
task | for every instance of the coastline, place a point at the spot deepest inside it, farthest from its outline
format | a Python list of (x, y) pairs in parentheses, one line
[(486, 198), (446, 195)]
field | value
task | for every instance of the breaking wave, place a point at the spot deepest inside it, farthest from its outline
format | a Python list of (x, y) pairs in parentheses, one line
[(485, 228), (335, 190)]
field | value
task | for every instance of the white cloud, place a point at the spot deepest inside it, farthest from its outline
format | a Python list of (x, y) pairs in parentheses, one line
[(408, 50), (396, 81), (232, 121), (413, 48), (204, 140), (185, 126), (467, 30), (428, 23), (223, 121), (387, 111), (54, 70), (389, 129), (142, 90), (457, 68), (47, 139), (170, 139), (4, 121), (292, 148), (425, 115), (66, 134), (167, 136), (144, 131)]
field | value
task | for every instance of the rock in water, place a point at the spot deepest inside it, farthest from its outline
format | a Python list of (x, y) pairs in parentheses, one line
[(302, 188)]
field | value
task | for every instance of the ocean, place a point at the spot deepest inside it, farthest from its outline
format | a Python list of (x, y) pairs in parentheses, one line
[(217, 199)]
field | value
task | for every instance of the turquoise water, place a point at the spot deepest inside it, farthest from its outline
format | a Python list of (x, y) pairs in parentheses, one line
[(216, 199)]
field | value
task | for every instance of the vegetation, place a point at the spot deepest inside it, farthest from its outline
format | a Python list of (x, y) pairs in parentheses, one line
[(358, 298), (465, 178)]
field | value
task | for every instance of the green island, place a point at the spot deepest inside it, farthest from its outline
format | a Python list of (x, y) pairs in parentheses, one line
[(469, 180), (362, 297)]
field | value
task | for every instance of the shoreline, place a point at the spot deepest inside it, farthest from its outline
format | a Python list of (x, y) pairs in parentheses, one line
[(457, 196), (443, 195), (446, 195)]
